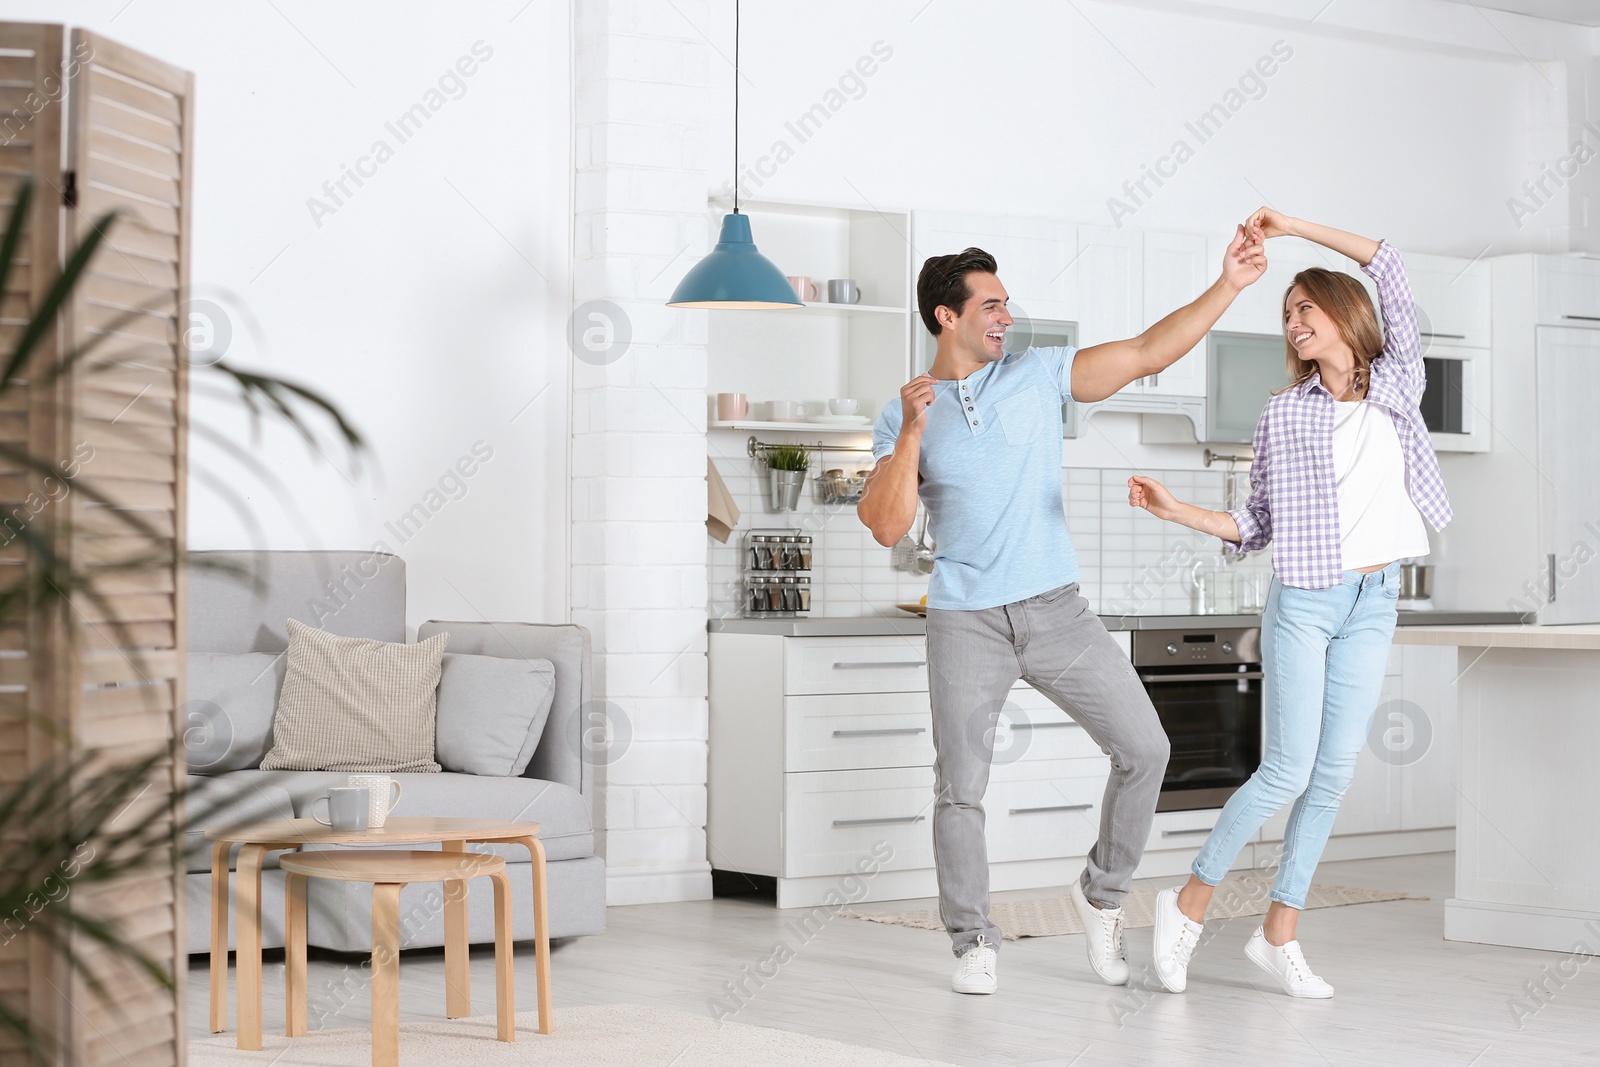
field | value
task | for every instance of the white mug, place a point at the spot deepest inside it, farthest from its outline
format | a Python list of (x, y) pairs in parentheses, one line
[(381, 803), (843, 406), (787, 410)]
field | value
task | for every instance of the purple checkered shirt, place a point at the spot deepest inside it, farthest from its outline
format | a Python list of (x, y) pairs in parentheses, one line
[(1293, 498)]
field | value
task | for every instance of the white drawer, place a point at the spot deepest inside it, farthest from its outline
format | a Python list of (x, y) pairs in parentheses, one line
[(854, 665), (1182, 829), (1032, 728), (1042, 811), (834, 818), (852, 731)]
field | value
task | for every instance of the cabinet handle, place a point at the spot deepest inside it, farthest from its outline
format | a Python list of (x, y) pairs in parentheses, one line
[(896, 820), (1210, 676), (1447, 336), (1043, 725), (1052, 807), (855, 666), (1551, 563), (1583, 318), (896, 732), (1187, 833)]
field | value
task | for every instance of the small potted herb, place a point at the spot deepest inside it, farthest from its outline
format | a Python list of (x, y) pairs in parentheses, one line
[(786, 474)]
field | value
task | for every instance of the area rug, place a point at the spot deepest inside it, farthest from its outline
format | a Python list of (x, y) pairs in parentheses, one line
[(624, 1035), (1236, 896)]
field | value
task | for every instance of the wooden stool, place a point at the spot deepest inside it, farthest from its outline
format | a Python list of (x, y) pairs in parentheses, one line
[(388, 871)]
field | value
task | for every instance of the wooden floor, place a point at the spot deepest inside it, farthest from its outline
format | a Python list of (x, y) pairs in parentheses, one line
[(1405, 995)]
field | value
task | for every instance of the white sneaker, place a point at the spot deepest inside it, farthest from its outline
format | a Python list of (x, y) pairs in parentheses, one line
[(976, 969), (1176, 937), (1102, 938), (1288, 965)]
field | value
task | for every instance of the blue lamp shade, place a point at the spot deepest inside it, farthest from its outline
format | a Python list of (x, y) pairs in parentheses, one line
[(735, 275)]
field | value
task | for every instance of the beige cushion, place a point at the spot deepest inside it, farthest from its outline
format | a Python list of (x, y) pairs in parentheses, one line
[(355, 704)]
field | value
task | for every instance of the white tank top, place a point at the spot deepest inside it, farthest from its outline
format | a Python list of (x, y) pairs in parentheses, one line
[(1378, 523)]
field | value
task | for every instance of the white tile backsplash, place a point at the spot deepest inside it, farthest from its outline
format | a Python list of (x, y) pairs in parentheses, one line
[(1131, 562)]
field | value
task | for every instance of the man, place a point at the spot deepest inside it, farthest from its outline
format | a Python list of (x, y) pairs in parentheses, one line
[(978, 438)]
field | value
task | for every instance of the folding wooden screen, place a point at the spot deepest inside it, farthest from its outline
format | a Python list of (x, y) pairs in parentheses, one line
[(97, 126)]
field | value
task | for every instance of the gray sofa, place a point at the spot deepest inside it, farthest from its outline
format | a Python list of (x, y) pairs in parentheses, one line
[(362, 594)]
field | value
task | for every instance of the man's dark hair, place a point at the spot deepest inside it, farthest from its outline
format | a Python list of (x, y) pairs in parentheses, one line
[(943, 282)]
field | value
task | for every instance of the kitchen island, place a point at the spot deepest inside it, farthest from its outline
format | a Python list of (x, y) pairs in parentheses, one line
[(1527, 861)]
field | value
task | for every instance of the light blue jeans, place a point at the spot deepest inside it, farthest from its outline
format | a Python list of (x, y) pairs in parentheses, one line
[(1323, 652)]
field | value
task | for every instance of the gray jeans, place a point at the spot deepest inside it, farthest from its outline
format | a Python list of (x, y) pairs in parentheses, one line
[(1061, 648)]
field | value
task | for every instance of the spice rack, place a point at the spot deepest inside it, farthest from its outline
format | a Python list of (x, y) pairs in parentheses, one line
[(777, 573)]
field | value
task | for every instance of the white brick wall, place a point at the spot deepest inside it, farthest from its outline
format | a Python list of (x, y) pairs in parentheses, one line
[(638, 451)]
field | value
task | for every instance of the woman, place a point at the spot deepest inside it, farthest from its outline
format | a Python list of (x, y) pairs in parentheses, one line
[(1344, 475)]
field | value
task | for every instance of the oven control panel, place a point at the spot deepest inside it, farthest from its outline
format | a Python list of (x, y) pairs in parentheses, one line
[(1178, 648)]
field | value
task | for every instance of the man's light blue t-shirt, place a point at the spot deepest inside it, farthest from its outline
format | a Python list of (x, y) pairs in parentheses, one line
[(991, 480)]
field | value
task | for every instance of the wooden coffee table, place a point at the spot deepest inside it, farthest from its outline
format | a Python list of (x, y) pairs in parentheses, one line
[(277, 835)]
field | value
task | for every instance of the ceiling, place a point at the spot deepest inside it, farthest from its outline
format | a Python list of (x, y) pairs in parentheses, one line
[(1578, 12)]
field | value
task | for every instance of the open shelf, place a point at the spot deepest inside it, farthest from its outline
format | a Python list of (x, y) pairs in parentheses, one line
[(798, 426)]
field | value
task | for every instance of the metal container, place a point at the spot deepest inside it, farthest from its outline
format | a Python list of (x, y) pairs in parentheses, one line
[(785, 488), (1416, 581)]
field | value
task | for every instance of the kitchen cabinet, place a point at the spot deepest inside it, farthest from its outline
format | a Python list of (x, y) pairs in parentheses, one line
[(1452, 299), (1526, 530), (1177, 269), (820, 351)]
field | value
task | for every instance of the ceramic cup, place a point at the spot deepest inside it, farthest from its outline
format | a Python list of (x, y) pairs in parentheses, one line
[(731, 407), (347, 808), (383, 793), (787, 410), (843, 406), (843, 291), (805, 288)]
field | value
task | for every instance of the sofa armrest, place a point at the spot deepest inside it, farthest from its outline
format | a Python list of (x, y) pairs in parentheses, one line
[(560, 755)]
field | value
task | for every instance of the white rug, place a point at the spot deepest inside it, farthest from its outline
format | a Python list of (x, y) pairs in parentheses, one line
[(1237, 895), (624, 1035)]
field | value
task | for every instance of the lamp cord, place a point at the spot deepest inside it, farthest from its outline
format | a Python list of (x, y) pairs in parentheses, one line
[(735, 107)]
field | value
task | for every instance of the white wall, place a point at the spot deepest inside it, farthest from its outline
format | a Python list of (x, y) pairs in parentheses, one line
[(430, 305)]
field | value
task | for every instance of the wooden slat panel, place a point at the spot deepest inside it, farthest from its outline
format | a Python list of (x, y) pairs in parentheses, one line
[(134, 1037), (134, 268), (146, 410), (101, 668), (18, 70), (157, 217), (156, 187), (14, 428), (136, 95), (127, 699), (115, 902), (13, 636), (158, 635), (134, 350), (146, 325), (124, 435), (130, 238), (136, 580), (146, 466), (113, 522), (99, 551), (107, 145), (123, 492), (140, 126), (140, 728), (14, 102), (16, 158), (136, 608), (131, 379), (156, 300), (15, 670)]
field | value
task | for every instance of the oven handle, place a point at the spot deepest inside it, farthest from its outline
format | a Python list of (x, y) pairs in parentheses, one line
[(1216, 676)]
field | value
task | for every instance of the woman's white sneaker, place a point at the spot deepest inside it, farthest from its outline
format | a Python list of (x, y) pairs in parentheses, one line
[(976, 969), (1288, 965), (1176, 937), (1102, 937)]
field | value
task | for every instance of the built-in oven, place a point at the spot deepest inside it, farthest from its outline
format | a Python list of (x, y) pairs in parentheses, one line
[(1205, 684)]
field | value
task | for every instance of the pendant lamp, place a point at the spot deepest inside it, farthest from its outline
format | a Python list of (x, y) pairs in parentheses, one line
[(735, 276)]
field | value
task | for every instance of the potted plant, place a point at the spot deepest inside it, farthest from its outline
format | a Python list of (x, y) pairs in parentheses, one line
[(786, 474)]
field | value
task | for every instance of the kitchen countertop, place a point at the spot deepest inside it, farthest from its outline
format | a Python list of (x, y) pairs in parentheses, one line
[(1582, 638), (892, 625)]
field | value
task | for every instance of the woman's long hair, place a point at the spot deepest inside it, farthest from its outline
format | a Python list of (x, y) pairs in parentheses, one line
[(1346, 302)]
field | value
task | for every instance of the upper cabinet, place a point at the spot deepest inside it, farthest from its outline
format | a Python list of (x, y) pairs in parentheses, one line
[(1177, 269), (1567, 290), (1452, 300), (1108, 280), (824, 350)]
